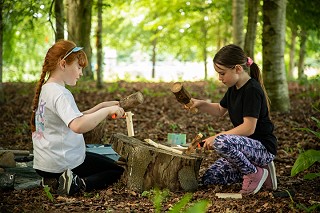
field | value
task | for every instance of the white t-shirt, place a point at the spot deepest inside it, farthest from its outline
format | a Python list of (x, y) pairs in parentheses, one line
[(56, 146)]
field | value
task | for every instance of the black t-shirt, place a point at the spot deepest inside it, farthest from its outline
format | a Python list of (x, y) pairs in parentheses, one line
[(250, 101)]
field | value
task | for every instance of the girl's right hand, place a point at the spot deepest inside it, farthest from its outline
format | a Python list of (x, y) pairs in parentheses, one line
[(195, 104), (116, 112)]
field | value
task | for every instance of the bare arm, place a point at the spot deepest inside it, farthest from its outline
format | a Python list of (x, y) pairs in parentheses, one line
[(214, 109), (247, 128), (89, 121), (101, 105)]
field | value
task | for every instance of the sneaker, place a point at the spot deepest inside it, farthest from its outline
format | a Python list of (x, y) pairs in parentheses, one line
[(70, 183), (252, 183), (271, 181)]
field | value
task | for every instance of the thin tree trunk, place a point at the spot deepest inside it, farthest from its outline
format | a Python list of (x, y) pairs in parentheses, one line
[(302, 53), (2, 98), (237, 21), (273, 42), (204, 46), (253, 9), (154, 53), (99, 46), (59, 14), (292, 52), (79, 28), (218, 37)]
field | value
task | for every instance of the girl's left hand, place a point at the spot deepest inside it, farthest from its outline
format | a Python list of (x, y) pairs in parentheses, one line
[(110, 103), (208, 142)]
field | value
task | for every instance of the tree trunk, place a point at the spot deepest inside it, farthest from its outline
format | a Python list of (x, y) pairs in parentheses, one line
[(59, 14), (237, 21), (292, 52), (204, 45), (79, 28), (273, 42), (253, 10), (99, 47), (2, 98), (154, 57), (149, 167), (302, 53)]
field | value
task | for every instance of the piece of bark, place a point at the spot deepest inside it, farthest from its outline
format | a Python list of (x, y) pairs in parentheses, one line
[(150, 167)]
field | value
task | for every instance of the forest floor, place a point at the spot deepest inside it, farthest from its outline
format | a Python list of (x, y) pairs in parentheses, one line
[(159, 115)]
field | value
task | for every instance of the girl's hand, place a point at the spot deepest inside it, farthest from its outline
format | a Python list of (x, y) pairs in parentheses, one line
[(116, 112), (110, 103), (208, 142)]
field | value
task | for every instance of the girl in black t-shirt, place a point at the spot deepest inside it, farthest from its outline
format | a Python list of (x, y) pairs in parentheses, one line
[(247, 150)]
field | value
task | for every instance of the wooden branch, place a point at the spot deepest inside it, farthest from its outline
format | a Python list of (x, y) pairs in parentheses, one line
[(160, 146), (194, 144), (182, 95)]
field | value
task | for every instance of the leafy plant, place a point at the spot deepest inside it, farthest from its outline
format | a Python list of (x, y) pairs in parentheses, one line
[(309, 157), (304, 161), (184, 205), (173, 127), (46, 189), (317, 134)]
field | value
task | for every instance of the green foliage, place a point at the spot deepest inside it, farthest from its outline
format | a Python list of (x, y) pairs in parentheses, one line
[(309, 157), (301, 206), (148, 92), (184, 205), (173, 127), (46, 189), (304, 161), (114, 87), (25, 38)]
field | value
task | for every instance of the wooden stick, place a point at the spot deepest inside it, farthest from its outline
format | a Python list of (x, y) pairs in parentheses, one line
[(129, 124), (229, 195), (160, 146)]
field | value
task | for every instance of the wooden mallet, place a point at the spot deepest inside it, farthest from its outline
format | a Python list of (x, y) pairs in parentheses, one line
[(183, 96), (128, 103)]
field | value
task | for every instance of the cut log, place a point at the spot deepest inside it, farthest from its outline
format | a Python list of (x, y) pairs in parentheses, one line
[(182, 95), (131, 101), (150, 167), (16, 152)]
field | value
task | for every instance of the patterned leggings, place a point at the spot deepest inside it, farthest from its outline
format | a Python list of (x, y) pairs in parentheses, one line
[(239, 156)]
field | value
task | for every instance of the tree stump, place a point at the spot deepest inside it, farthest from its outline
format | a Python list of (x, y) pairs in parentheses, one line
[(149, 167)]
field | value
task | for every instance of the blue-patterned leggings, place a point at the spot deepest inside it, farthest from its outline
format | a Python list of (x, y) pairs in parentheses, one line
[(239, 156)]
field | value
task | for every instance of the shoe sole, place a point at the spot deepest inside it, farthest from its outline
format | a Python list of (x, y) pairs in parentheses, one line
[(65, 179), (273, 176), (263, 179)]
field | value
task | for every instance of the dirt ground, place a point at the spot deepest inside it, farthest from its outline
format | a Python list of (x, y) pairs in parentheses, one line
[(159, 115)]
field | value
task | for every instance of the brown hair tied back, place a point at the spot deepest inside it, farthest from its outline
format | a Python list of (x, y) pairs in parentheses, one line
[(51, 61), (232, 55)]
